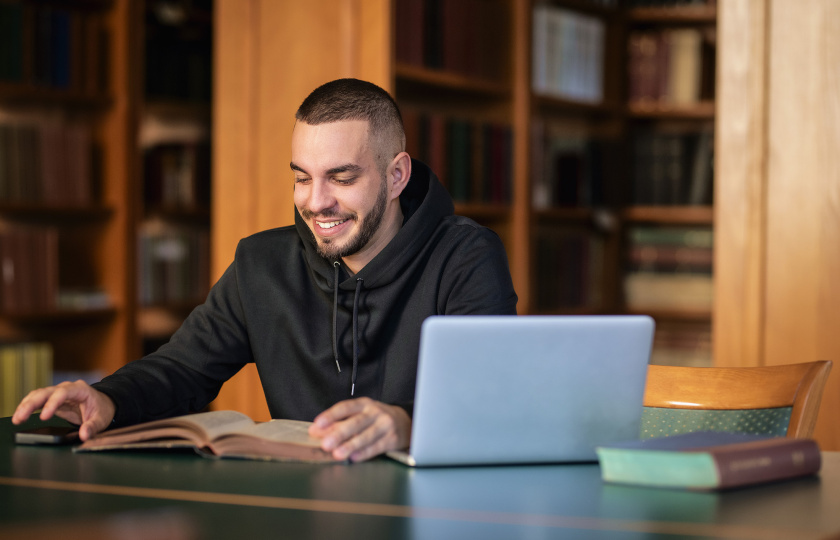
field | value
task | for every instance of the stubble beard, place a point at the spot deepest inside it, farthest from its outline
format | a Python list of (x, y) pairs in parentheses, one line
[(368, 227)]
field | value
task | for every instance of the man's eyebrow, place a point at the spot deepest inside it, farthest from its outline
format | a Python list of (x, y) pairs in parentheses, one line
[(296, 167), (349, 167)]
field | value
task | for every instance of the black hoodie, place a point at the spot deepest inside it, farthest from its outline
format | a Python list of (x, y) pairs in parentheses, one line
[(301, 317)]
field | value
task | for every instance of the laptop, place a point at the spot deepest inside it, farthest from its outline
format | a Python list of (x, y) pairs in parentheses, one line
[(509, 389)]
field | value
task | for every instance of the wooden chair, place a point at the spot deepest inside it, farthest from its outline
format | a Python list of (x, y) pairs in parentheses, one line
[(771, 400)]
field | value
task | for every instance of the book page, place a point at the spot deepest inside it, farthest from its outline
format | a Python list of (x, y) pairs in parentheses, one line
[(289, 431), (197, 428)]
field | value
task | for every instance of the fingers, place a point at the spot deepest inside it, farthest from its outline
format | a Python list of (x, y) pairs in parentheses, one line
[(361, 429), (75, 402)]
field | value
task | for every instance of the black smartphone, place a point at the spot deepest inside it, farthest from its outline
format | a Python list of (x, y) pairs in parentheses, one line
[(48, 435)]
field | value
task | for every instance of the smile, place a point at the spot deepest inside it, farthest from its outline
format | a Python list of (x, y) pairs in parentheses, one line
[(330, 224)]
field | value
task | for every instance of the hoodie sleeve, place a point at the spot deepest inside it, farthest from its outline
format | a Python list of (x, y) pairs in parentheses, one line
[(186, 374)]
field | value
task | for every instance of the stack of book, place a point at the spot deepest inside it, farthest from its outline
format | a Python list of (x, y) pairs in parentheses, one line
[(669, 268), (173, 264), (24, 367), (682, 343), (46, 160), (568, 54), (457, 36), (472, 158)]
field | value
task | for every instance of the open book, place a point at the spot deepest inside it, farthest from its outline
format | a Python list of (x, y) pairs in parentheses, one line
[(227, 434)]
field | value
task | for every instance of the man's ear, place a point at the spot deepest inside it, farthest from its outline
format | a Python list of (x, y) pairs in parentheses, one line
[(399, 171)]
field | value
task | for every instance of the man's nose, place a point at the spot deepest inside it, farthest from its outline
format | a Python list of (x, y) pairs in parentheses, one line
[(321, 197)]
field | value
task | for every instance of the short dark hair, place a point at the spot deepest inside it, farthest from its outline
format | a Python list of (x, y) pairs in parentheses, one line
[(354, 99)]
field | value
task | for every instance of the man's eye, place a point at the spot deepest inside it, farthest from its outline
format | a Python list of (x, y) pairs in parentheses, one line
[(301, 180), (344, 181)]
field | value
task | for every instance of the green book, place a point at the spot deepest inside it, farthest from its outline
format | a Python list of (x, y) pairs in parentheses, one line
[(708, 460)]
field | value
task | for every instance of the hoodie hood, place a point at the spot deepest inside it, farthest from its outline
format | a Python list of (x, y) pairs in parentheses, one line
[(424, 203)]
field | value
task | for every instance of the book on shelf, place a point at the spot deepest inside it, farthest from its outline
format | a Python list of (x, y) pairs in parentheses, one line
[(177, 175), (472, 158), (24, 366), (173, 263), (47, 160), (669, 66), (669, 268), (570, 265), (571, 170), (464, 37), (28, 268), (708, 460), (672, 166), (567, 54), (221, 434)]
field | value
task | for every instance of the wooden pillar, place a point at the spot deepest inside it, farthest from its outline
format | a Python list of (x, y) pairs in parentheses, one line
[(269, 54)]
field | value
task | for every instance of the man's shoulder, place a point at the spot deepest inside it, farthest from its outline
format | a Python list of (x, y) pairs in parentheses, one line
[(286, 236)]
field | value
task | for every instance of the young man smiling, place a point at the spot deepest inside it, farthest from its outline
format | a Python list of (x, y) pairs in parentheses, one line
[(330, 308)]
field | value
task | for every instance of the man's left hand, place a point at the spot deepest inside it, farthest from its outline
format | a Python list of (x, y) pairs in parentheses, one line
[(359, 429)]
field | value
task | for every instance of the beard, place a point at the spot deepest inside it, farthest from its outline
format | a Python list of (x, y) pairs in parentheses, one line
[(368, 226)]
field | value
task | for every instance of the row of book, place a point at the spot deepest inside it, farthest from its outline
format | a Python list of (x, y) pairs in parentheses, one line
[(28, 268), (571, 170), (177, 175), (672, 167), (466, 37), (672, 66), (24, 366), (29, 274), (66, 48), (47, 161), (669, 268), (567, 54), (473, 158), (174, 264), (569, 269)]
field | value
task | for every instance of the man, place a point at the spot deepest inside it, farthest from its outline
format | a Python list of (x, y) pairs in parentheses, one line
[(330, 308)]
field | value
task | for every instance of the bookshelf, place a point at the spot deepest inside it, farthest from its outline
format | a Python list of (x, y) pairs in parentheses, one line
[(63, 201), (173, 165), (668, 216)]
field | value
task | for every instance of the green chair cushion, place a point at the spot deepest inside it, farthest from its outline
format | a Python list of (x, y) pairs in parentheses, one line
[(661, 422)]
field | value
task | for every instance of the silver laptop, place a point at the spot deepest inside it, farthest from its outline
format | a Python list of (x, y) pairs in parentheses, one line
[(526, 389)]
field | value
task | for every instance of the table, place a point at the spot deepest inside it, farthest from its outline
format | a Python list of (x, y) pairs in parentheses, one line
[(51, 491)]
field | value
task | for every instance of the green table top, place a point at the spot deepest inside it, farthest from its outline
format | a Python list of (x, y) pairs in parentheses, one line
[(43, 487)]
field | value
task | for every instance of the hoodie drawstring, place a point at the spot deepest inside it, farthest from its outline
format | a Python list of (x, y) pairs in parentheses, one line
[(355, 331), (359, 281), (336, 264)]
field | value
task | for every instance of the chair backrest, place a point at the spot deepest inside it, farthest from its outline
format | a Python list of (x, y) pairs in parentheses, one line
[(770, 400)]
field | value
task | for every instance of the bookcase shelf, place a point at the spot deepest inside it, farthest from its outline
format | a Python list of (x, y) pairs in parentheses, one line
[(676, 215), (422, 77), (694, 14), (704, 110)]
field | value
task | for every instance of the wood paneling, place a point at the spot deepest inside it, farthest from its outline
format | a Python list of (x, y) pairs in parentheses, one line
[(803, 225), (269, 55), (740, 177), (777, 193)]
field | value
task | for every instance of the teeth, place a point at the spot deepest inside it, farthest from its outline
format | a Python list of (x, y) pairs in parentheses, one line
[(331, 224)]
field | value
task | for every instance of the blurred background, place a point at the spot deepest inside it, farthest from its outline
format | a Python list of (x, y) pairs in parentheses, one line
[(674, 158)]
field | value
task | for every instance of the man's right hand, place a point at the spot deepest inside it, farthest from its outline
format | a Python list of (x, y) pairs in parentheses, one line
[(76, 402)]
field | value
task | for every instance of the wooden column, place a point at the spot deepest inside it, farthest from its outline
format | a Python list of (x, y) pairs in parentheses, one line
[(269, 54), (777, 222)]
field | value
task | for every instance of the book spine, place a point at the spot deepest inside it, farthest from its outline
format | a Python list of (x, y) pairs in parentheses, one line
[(766, 461)]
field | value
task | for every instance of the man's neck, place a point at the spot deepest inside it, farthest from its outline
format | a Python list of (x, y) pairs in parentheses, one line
[(353, 264)]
